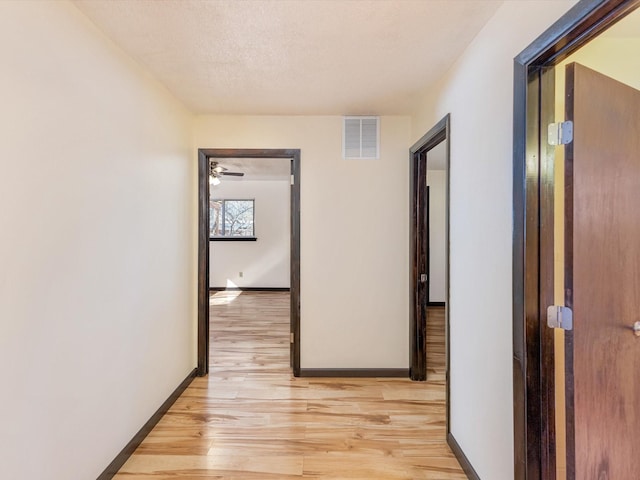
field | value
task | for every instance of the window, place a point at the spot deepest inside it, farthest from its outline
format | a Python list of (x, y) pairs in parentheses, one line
[(231, 219)]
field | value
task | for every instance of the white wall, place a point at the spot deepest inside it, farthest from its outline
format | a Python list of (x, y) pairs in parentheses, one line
[(614, 57), (478, 92), (437, 181), (97, 260), (265, 262), (354, 235)]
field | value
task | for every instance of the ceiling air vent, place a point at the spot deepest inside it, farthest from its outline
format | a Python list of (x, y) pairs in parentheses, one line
[(361, 137)]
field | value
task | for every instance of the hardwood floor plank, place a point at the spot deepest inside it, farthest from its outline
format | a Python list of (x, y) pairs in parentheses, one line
[(198, 464), (250, 419)]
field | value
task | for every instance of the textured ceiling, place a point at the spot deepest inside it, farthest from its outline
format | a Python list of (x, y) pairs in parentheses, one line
[(295, 57), (257, 168)]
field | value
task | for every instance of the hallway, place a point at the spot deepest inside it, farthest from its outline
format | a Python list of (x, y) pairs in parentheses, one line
[(249, 419)]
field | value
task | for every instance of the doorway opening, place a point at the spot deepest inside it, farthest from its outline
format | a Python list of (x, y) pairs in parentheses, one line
[(576, 174), (429, 235), (205, 159)]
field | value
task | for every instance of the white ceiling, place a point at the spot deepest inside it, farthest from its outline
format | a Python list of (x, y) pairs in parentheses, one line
[(256, 168), (293, 57)]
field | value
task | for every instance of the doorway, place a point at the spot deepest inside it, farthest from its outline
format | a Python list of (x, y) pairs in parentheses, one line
[(576, 175), (429, 278), (205, 156)]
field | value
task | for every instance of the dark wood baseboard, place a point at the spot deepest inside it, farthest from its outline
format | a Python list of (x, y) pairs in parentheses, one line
[(250, 289), (137, 439), (462, 458), (436, 304), (354, 372)]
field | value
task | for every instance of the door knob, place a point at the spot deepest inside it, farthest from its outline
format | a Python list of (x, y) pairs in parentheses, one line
[(636, 329)]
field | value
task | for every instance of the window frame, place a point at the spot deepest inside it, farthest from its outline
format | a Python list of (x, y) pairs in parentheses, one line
[(234, 238)]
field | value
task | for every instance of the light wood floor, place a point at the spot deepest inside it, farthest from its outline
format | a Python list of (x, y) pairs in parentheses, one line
[(250, 419)]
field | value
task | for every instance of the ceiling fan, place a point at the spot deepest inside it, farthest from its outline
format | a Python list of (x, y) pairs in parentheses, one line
[(216, 171)]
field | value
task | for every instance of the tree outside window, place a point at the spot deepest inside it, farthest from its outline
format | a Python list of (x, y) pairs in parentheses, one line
[(231, 218)]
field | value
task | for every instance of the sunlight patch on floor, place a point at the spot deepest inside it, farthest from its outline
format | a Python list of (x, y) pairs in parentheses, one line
[(224, 297)]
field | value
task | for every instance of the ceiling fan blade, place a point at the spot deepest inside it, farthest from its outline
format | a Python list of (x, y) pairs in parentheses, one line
[(233, 174), (216, 167)]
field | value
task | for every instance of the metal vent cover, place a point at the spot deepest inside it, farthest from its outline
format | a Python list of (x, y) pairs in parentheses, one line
[(361, 137)]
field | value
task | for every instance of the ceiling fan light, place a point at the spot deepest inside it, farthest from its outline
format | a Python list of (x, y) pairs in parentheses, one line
[(214, 180)]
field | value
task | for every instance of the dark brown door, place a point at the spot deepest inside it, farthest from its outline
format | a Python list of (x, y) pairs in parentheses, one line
[(602, 277)]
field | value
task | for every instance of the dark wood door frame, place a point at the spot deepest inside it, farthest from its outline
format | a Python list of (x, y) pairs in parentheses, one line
[(440, 132), (204, 154), (427, 239), (419, 246), (533, 360), (419, 250)]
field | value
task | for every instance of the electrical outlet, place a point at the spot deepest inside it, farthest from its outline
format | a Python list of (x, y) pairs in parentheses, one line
[(240, 274)]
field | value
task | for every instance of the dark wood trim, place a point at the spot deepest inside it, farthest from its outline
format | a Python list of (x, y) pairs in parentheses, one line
[(203, 263), (233, 239), (584, 21), (534, 436), (462, 458), (447, 270), (413, 271), (426, 244), (437, 134), (569, 110), (433, 137), (437, 304), (204, 154), (355, 372), (420, 246), (137, 439), (249, 289), (546, 269), (295, 262), (417, 182)]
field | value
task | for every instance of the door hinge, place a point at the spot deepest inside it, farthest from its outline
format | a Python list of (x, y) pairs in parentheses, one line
[(293, 182), (423, 278), (560, 133), (559, 317), (291, 337)]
